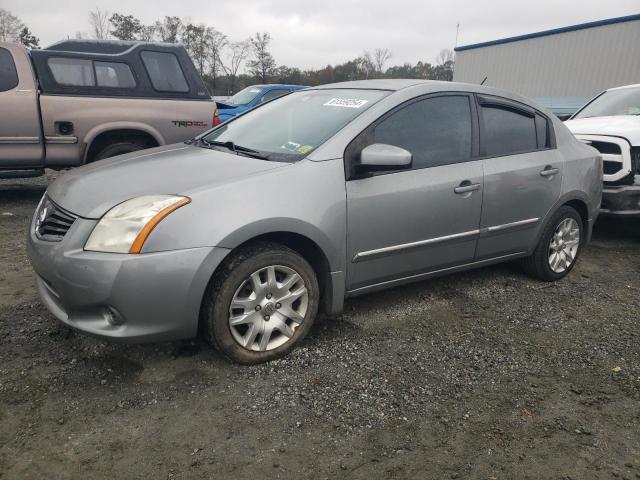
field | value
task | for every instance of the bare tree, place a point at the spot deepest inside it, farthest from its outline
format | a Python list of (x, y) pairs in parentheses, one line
[(380, 57), (262, 63), (238, 53), (444, 57), (216, 43), (10, 26), (99, 21), (365, 65)]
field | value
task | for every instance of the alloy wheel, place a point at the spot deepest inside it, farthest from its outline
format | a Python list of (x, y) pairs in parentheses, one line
[(267, 308), (564, 244)]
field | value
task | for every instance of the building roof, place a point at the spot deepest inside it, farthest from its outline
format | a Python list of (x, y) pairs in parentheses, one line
[(571, 28)]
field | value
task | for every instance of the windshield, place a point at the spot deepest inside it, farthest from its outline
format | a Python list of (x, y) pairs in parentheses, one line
[(625, 101), (245, 96), (292, 127)]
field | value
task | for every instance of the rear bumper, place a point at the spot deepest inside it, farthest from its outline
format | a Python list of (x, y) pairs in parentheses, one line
[(623, 200), (135, 298)]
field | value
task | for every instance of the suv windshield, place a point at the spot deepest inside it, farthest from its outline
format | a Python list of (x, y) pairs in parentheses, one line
[(292, 127), (625, 101), (245, 96)]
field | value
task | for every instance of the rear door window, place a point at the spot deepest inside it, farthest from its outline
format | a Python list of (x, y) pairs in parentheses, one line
[(507, 131), (165, 72), (8, 72), (74, 72), (114, 75)]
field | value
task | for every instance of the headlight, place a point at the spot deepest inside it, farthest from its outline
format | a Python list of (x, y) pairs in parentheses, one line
[(125, 227)]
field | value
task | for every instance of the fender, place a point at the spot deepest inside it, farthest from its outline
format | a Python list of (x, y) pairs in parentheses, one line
[(107, 127), (565, 198), (333, 254)]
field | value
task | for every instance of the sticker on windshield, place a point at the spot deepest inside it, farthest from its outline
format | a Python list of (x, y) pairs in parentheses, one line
[(304, 149), (291, 146), (345, 102), (255, 90)]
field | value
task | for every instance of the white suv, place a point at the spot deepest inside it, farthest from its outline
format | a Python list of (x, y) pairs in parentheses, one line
[(611, 123)]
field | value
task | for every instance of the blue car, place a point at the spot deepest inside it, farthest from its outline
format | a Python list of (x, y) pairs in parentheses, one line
[(251, 97)]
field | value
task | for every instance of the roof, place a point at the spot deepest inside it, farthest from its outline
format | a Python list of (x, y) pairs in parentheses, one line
[(380, 84), (101, 46), (555, 31)]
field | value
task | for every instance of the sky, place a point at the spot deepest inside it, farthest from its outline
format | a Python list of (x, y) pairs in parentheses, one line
[(312, 34)]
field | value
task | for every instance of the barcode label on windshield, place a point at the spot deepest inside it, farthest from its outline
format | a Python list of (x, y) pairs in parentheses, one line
[(345, 102)]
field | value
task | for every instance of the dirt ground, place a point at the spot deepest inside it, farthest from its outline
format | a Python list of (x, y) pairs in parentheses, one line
[(481, 375)]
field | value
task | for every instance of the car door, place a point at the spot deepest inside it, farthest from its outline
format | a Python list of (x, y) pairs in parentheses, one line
[(20, 135), (404, 223), (522, 175)]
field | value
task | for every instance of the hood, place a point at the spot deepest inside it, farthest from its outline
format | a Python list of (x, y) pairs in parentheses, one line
[(626, 126), (90, 191)]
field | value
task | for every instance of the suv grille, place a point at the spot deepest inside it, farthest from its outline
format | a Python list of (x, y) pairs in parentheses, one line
[(52, 222), (616, 156)]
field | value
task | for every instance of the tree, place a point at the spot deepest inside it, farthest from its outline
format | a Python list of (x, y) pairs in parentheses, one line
[(28, 39), (147, 33), (99, 21), (170, 29), (10, 26), (125, 27), (262, 63), (380, 57), (216, 42), (444, 69), (238, 53)]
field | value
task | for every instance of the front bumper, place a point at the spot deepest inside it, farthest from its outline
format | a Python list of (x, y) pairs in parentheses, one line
[(623, 200), (143, 297)]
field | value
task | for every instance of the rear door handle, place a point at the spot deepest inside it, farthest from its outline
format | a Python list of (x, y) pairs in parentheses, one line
[(549, 171), (466, 187)]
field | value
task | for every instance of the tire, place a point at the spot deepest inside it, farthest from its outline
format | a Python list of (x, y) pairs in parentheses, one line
[(262, 316), (119, 148), (542, 263)]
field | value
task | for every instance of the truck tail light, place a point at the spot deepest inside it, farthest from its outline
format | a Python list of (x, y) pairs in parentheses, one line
[(216, 118)]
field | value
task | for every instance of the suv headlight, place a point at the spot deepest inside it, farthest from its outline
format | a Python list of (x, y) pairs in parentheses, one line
[(125, 227)]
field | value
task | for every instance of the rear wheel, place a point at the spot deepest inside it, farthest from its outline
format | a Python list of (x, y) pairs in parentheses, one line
[(559, 246), (261, 304)]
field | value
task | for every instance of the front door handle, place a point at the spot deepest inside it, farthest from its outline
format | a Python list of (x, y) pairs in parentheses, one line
[(549, 171), (466, 187)]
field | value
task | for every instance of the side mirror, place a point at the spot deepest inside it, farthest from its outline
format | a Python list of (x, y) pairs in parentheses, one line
[(385, 157)]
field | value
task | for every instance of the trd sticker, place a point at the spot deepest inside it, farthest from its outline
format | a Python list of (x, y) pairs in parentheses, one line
[(345, 102), (189, 123)]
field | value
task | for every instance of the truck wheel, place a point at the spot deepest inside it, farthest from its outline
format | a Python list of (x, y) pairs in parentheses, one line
[(558, 248), (119, 148), (261, 303)]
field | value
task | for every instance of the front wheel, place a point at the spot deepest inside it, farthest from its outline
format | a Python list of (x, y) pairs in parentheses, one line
[(559, 246), (261, 304)]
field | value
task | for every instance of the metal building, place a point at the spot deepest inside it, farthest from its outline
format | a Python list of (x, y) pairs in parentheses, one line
[(561, 68)]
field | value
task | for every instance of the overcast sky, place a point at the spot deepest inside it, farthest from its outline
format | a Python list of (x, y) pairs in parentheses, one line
[(315, 33)]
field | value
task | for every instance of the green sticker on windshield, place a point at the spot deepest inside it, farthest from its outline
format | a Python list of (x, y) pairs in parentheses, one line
[(304, 149)]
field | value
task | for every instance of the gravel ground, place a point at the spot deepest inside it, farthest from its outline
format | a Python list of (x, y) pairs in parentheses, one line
[(481, 375)]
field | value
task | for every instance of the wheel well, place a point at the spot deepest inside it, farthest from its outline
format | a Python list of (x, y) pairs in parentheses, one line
[(114, 136), (311, 252), (582, 209)]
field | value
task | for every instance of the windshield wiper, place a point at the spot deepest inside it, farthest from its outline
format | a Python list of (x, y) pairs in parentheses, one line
[(237, 149)]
